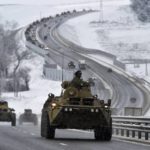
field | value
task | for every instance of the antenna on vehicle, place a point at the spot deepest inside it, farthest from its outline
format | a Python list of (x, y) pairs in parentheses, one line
[(62, 66), (62, 70)]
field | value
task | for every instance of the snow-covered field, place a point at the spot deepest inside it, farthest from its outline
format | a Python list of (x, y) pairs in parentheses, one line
[(113, 35), (119, 33)]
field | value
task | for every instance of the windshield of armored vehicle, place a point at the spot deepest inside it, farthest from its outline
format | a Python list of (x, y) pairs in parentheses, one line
[(3, 103), (28, 111)]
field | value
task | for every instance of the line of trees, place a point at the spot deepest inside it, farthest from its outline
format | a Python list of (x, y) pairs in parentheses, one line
[(142, 9), (12, 54)]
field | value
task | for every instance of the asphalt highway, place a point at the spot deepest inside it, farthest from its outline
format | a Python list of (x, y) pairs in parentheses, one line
[(27, 137)]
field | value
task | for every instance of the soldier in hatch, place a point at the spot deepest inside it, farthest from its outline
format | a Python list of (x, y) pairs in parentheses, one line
[(77, 81)]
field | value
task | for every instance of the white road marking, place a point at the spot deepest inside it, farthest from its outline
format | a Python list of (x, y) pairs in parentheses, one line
[(63, 144), (33, 134)]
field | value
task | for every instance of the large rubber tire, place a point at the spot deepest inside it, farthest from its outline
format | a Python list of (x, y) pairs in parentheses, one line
[(20, 120), (98, 133), (13, 120), (35, 120), (104, 133), (47, 131), (108, 131)]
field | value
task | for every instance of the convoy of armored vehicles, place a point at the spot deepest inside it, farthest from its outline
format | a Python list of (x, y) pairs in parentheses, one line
[(7, 114), (76, 108), (28, 116)]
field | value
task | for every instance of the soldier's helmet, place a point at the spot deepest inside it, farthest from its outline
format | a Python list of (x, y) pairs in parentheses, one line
[(78, 74)]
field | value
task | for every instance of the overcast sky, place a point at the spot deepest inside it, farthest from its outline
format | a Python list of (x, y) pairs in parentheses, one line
[(43, 1)]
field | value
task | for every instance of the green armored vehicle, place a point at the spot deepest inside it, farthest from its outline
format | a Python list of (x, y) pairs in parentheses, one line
[(76, 108), (7, 114), (71, 65), (28, 116)]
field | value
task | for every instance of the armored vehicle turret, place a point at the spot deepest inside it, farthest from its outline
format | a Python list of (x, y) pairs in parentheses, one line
[(28, 116), (7, 114), (76, 108)]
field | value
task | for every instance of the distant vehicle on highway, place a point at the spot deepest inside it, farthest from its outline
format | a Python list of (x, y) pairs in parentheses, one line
[(133, 99), (46, 48), (71, 65), (7, 114), (91, 81), (82, 65), (45, 37), (28, 116), (109, 70)]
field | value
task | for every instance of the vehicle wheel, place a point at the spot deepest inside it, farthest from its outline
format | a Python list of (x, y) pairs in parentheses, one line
[(104, 133), (20, 122), (98, 133), (47, 131), (35, 121), (108, 132), (13, 121)]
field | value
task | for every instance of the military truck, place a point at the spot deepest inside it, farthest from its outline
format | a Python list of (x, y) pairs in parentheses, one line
[(76, 108), (82, 65), (7, 114), (28, 116)]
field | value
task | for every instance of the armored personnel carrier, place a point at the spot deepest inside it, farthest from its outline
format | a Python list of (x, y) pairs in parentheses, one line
[(28, 116), (7, 114), (76, 108), (71, 65)]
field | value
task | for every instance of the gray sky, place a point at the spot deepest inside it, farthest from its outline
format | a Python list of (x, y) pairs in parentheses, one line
[(43, 1)]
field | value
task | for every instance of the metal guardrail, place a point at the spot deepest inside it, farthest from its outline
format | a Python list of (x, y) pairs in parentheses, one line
[(91, 51), (131, 127), (56, 75), (36, 49)]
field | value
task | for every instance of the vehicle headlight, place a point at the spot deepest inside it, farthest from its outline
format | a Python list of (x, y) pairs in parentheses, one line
[(54, 105), (70, 109), (106, 106), (92, 110), (71, 92), (96, 110), (66, 109)]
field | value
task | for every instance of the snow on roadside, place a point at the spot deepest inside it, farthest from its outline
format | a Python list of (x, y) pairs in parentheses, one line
[(39, 89)]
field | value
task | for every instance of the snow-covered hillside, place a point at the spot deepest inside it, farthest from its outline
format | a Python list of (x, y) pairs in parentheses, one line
[(50, 2), (119, 33)]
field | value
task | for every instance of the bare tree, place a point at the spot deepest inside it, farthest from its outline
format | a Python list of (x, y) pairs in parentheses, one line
[(20, 55), (142, 9), (5, 58), (24, 75), (12, 54)]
